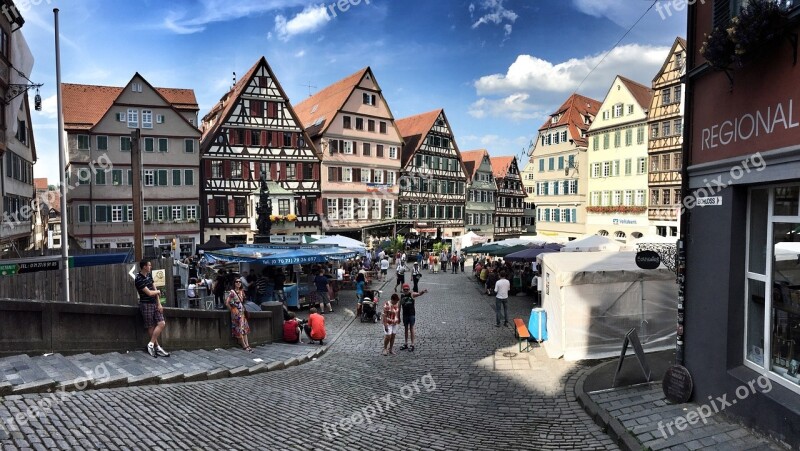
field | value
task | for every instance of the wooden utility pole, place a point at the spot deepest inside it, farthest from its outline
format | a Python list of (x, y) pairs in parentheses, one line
[(138, 201)]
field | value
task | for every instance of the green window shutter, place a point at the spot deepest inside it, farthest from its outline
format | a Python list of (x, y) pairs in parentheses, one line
[(148, 144), (168, 215), (176, 177), (183, 212), (188, 177), (124, 213), (108, 213), (162, 177), (130, 177)]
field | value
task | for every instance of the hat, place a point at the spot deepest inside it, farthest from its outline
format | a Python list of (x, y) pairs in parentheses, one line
[(416, 263), (405, 286), (362, 272)]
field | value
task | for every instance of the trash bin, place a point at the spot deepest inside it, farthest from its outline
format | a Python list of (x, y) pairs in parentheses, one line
[(537, 324)]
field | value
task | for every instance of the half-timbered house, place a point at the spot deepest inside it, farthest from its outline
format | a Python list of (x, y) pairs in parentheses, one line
[(665, 120), (433, 180), (482, 191), (99, 121), (254, 132), (509, 214), (352, 125)]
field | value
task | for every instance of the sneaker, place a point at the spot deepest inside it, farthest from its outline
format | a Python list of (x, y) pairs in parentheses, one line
[(161, 352), (505, 324), (497, 325), (151, 349), (411, 349), (404, 347)]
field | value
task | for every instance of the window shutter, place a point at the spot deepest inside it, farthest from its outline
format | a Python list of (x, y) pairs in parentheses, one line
[(169, 212), (339, 174), (356, 175), (315, 171), (212, 207), (273, 171), (130, 177), (226, 169), (108, 213), (299, 171), (124, 213), (722, 13), (264, 141), (183, 212), (231, 136), (231, 208), (245, 170), (207, 170)]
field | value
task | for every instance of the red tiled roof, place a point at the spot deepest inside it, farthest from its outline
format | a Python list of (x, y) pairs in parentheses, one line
[(500, 166), (572, 113), (641, 93), (317, 111), (414, 129), (472, 160), (85, 105), (40, 183)]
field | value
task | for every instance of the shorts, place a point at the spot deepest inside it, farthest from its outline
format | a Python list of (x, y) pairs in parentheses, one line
[(150, 314), (322, 297), (384, 271), (409, 320), (391, 329), (401, 278)]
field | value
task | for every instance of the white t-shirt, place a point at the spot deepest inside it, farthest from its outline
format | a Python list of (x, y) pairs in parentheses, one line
[(501, 288), (340, 274), (191, 290), (384, 264)]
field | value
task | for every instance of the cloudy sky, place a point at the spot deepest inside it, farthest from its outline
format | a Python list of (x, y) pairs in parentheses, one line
[(497, 67)]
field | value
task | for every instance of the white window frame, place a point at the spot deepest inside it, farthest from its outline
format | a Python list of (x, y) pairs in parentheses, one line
[(149, 177), (191, 212), (166, 144), (348, 147), (129, 217), (116, 213), (388, 209), (347, 208), (332, 208), (177, 213), (147, 118), (133, 118), (392, 152), (640, 198), (390, 177), (366, 175), (347, 175), (185, 143), (377, 176), (375, 208)]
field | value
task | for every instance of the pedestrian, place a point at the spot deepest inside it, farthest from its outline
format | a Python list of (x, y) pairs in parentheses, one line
[(192, 293), (409, 313), (443, 259), (384, 267), (278, 279), (321, 283), (454, 262), (151, 308), (315, 328), (361, 282), (291, 329), (401, 274), (219, 289), (240, 326), (491, 279), (416, 274), (461, 261), (501, 288), (535, 284), (431, 258), (391, 323), (262, 283)]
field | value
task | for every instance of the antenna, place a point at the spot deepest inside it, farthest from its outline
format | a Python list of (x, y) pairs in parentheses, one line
[(234, 80), (309, 86)]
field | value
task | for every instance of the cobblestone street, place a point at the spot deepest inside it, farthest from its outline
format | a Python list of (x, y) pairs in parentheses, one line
[(465, 386)]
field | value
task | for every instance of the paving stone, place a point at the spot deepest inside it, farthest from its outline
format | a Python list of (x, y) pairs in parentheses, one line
[(171, 378), (37, 386)]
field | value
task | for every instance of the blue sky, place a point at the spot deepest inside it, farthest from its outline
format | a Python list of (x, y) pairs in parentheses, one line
[(497, 67)]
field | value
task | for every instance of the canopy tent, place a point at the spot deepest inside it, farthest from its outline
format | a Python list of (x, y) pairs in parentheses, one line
[(592, 243), (529, 254), (343, 241), (486, 248), (214, 244), (526, 241), (471, 249), (593, 299), (503, 251), (281, 255), (471, 238)]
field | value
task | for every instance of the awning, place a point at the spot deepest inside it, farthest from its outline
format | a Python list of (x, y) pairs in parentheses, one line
[(282, 255)]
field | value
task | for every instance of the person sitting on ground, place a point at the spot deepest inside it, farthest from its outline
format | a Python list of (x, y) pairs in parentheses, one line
[(315, 329), (291, 329)]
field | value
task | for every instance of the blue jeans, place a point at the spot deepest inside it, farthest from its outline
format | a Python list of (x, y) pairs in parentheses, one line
[(501, 303)]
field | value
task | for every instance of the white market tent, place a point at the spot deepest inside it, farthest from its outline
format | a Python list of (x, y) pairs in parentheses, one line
[(593, 243), (470, 238), (593, 299), (342, 241)]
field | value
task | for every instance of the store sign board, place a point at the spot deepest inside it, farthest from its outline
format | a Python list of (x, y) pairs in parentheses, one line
[(713, 201), (647, 259), (677, 384)]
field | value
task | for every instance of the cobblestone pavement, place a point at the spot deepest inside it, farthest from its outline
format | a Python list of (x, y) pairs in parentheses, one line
[(465, 386)]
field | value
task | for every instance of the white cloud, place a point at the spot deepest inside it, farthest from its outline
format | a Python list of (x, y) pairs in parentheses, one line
[(532, 74), (50, 107), (495, 144), (515, 107), (309, 20), (622, 12), (300, 54), (496, 13), (211, 11)]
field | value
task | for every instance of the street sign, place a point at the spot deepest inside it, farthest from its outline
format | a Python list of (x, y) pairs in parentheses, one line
[(8, 269), (47, 265), (713, 201), (132, 271)]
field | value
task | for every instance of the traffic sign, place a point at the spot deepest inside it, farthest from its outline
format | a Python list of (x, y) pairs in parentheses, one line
[(8, 269)]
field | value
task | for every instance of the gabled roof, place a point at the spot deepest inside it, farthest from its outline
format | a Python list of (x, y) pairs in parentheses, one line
[(500, 166), (641, 93), (316, 113), (414, 129), (85, 105), (571, 113), (227, 102), (679, 43), (472, 160)]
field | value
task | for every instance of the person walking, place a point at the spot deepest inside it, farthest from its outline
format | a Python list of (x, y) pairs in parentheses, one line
[(220, 284), (454, 262), (501, 288), (321, 283), (384, 267), (409, 314), (416, 274), (391, 323), (401, 274), (461, 261), (240, 327), (151, 308)]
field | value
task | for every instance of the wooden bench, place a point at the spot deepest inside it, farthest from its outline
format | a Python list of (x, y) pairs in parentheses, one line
[(521, 332)]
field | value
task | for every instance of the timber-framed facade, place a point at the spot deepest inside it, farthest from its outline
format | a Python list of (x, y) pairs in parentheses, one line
[(253, 132), (510, 199)]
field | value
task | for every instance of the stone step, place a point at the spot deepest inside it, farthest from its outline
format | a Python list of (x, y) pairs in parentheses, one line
[(59, 368)]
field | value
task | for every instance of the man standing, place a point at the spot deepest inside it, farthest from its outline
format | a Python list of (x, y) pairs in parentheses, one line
[(535, 284), (391, 322), (409, 314), (278, 280), (416, 274), (220, 283), (150, 307), (322, 291), (501, 288), (454, 262), (401, 274), (384, 267)]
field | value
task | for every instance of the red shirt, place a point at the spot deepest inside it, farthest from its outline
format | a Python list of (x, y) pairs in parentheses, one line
[(317, 323), (290, 331)]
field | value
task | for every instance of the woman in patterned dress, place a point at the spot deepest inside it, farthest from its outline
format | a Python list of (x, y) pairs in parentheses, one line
[(240, 327)]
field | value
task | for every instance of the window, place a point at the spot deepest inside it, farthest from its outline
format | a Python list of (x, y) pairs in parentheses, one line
[(366, 150), (128, 214), (560, 163), (640, 135), (347, 208), (606, 168), (369, 99), (641, 167), (551, 164), (371, 125), (378, 176), (176, 177), (388, 209), (147, 119), (618, 110), (332, 209), (359, 123), (116, 176), (617, 138), (177, 212), (133, 118), (383, 127), (676, 161), (595, 170), (221, 204), (83, 142), (630, 109), (665, 160), (239, 206), (191, 212), (162, 144), (159, 118), (291, 171), (379, 150), (148, 144), (615, 168), (102, 213), (665, 198), (676, 96), (347, 175), (102, 143), (347, 146), (287, 139), (628, 166), (629, 137), (216, 169), (678, 126), (375, 208), (665, 128), (595, 143), (188, 145), (149, 177), (541, 164), (556, 139), (366, 175), (640, 197), (595, 198), (100, 178), (390, 177), (628, 197), (255, 138), (654, 163), (188, 177), (236, 169), (162, 177), (283, 207), (653, 130), (665, 96), (654, 197), (346, 122), (605, 140)]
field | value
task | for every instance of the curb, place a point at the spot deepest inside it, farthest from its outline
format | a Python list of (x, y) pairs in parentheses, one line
[(608, 424)]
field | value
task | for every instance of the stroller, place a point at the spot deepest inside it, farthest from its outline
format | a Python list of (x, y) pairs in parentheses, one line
[(369, 306)]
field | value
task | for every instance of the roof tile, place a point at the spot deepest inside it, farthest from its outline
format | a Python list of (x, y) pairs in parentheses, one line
[(317, 111)]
